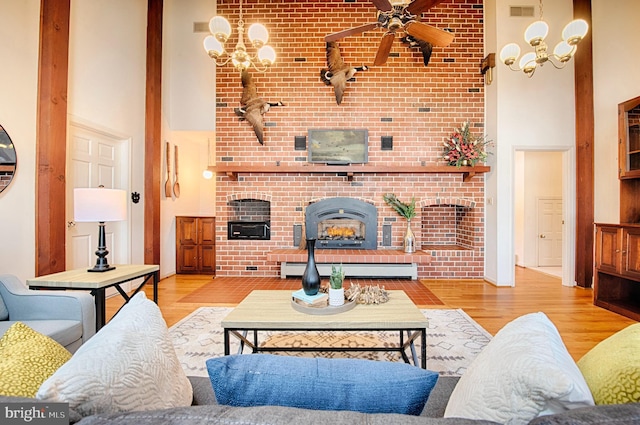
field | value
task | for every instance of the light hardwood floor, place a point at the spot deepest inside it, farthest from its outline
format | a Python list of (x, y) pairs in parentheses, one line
[(581, 324)]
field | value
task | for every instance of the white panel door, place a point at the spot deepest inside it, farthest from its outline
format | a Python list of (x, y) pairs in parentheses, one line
[(549, 232), (95, 159)]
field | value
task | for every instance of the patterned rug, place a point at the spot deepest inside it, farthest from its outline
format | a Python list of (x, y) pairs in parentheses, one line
[(453, 341)]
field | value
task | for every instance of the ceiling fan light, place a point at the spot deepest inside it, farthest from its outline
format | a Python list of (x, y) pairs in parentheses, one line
[(220, 28), (564, 51), (394, 24), (536, 32), (575, 31), (528, 63), (509, 53), (212, 46), (258, 35), (267, 55)]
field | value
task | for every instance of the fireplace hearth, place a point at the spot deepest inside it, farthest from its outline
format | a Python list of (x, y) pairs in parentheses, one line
[(345, 223)]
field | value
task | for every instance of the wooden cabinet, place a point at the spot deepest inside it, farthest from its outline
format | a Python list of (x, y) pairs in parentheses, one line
[(196, 245), (629, 139), (617, 268)]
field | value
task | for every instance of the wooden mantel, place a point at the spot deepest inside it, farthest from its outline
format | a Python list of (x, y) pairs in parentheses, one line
[(349, 171)]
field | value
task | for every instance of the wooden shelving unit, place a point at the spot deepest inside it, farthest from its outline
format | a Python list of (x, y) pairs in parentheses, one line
[(617, 246), (348, 171)]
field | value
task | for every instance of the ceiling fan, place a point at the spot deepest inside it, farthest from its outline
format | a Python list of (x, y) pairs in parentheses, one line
[(395, 15)]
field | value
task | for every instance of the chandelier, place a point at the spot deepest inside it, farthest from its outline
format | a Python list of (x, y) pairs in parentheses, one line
[(258, 35), (534, 35)]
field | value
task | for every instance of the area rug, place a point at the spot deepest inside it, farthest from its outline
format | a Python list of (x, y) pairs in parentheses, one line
[(453, 341)]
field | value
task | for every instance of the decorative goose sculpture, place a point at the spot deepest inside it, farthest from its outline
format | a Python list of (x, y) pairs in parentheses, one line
[(424, 46), (252, 106), (337, 73)]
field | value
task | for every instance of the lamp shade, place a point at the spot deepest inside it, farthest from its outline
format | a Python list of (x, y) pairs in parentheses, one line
[(220, 28), (212, 46), (99, 204), (563, 51), (536, 32), (267, 55), (575, 31), (258, 34), (509, 53), (528, 63)]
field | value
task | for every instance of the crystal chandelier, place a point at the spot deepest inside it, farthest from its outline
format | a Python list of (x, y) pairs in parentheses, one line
[(534, 35), (240, 58)]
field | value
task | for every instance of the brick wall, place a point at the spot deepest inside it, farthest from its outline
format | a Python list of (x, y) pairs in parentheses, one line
[(419, 106)]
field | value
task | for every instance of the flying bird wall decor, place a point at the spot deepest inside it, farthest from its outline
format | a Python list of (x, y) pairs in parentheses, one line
[(337, 72), (424, 46), (252, 106)]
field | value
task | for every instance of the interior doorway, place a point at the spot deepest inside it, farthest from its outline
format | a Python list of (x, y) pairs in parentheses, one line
[(539, 209)]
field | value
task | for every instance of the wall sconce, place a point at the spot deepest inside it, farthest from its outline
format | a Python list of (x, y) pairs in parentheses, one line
[(486, 67), (101, 205)]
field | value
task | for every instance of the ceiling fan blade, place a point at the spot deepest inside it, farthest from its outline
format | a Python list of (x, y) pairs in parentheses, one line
[(384, 49), (418, 6), (351, 31), (428, 33), (383, 5)]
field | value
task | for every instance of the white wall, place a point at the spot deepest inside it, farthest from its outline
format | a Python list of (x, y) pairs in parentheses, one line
[(530, 113), (188, 119), (616, 69), (19, 32), (107, 80), (197, 195), (189, 96)]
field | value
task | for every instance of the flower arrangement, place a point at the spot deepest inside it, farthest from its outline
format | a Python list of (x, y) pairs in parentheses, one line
[(464, 148)]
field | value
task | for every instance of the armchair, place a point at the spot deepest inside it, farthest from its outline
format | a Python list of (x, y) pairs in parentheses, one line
[(66, 316)]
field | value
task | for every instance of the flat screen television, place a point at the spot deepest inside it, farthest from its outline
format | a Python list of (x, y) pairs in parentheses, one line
[(338, 146)]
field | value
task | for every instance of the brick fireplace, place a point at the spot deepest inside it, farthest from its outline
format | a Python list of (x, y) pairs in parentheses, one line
[(412, 107)]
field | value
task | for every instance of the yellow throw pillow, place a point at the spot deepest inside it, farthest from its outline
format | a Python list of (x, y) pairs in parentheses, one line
[(612, 368), (27, 359)]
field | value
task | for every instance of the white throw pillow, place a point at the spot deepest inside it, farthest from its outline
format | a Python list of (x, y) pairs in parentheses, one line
[(130, 364), (524, 372)]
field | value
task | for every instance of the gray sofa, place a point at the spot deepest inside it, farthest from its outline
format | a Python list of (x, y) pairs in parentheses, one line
[(67, 317), (205, 410)]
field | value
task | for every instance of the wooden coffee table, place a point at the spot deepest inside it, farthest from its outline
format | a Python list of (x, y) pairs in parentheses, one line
[(269, 310)]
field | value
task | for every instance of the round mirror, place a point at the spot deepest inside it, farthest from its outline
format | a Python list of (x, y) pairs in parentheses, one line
[(7, 159)]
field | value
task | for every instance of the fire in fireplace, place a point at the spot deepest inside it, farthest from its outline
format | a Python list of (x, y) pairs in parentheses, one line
[(342, 223)]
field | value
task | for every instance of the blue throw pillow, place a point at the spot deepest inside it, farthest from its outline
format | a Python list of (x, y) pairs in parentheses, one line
[(318, 383)]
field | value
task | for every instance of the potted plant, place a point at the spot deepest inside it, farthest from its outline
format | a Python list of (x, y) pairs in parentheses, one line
[(336, 290), (407, 211)]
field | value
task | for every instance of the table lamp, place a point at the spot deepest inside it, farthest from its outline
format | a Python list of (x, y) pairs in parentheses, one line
[(101, 205)]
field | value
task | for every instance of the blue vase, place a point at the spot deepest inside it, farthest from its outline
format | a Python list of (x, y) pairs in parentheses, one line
[(311, 277)]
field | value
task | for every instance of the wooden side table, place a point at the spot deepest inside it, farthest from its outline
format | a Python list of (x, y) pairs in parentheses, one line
[(97, 283)]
